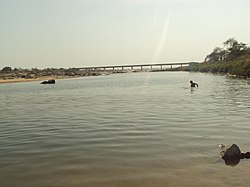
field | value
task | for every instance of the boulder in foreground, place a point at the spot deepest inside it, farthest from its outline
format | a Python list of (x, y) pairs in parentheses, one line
[(231, 151), (232, 154)]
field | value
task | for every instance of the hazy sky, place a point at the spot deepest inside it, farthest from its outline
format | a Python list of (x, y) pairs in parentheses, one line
[(79, 33)]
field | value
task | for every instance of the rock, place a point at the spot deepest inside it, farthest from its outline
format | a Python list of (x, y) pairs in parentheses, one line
[(247, 155), (232, 154), (229, 152), (51, 81)]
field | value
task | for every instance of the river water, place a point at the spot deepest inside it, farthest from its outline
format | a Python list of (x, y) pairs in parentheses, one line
[(134, 129)]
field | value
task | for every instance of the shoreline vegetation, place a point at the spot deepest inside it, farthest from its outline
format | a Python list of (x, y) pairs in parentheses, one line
[(232, 59)]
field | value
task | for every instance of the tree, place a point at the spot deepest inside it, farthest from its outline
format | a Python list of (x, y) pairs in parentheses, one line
[(216, 56), (229, 43), (6, 69), (234, 49)]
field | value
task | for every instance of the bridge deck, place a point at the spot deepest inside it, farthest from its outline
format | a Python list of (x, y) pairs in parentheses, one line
[(134, 66)]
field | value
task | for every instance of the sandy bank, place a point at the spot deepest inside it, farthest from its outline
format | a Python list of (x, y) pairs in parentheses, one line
[(16, 80)]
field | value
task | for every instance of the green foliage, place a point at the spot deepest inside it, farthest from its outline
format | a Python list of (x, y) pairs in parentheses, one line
[(239, 66), (233, 59), (232, 49)]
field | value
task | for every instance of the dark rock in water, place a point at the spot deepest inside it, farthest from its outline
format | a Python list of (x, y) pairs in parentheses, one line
[(232, 161), (247, 155), (230, 152), (51, 81)]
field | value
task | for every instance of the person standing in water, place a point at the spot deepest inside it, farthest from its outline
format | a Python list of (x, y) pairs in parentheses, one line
[(193, 84)]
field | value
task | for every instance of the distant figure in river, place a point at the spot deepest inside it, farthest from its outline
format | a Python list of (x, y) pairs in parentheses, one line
[(193, 84)]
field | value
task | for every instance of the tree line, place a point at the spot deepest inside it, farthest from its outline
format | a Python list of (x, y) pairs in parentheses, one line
[(233, 58), (231, 50)]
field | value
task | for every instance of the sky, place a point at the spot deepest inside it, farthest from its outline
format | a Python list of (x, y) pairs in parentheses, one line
[(83, 33)]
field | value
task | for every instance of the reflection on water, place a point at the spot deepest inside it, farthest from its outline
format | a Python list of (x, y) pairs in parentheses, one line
[(137, 129)]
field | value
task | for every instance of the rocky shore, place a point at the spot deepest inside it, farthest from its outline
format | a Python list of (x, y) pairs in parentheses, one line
[(9, 75)]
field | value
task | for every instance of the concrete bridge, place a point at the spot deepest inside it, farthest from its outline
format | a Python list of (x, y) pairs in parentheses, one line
[(140, 67)]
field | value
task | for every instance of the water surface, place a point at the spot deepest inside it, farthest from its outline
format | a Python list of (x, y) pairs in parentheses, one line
[(135, 129)]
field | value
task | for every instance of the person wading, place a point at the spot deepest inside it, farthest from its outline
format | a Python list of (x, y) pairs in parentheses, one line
[(193, 84)]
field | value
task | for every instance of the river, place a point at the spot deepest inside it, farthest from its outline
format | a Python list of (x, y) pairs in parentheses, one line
[(134, 129)]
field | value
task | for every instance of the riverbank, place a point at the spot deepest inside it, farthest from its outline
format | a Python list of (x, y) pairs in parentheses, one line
[(17, 80), (9, 75)]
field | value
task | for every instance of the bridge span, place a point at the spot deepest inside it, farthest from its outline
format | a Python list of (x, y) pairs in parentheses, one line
[(160, 66)]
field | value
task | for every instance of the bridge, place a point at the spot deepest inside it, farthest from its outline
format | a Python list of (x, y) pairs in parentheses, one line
[(160, 66)]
